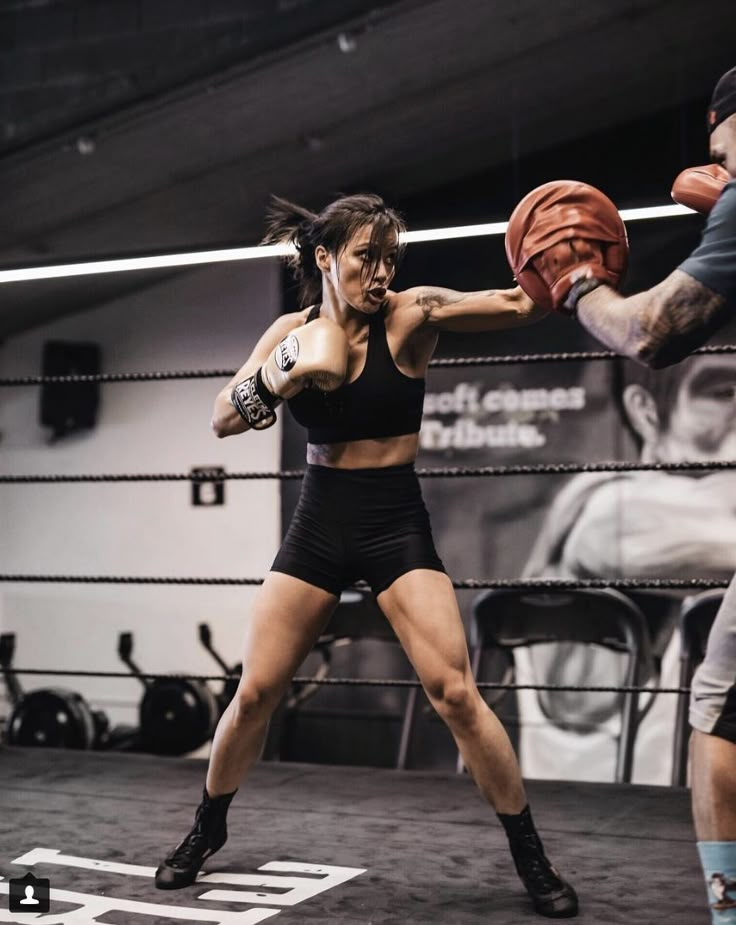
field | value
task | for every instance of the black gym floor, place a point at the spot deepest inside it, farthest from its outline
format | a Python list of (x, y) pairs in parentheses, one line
[(380, 847)]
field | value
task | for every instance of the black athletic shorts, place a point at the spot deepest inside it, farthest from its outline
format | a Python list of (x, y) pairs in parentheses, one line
[(358, 523)]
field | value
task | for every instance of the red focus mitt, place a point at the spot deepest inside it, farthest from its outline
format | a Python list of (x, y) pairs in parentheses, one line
[(698, 188), (564, 239)]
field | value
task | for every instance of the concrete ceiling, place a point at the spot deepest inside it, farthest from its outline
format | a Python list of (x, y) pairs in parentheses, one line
[(309, 99)]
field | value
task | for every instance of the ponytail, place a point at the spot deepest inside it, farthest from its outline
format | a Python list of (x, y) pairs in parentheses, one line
[(288, 223)]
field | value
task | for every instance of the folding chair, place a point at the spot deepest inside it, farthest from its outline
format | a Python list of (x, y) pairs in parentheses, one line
[(508, 618)]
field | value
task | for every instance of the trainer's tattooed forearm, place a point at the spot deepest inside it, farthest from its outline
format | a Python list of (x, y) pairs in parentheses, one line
[(659, 327), (684, 315)]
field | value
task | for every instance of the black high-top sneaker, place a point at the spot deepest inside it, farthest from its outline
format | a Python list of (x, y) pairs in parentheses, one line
[(552, 896), (208, 834)]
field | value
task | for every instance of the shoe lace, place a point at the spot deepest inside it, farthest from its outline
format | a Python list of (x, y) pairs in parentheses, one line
[(538, 872), (192, 845)]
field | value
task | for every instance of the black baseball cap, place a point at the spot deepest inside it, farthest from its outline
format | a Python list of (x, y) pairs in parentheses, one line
[(723, 102)]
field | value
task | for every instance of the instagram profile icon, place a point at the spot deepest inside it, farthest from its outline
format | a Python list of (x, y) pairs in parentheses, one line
[(29, 894)]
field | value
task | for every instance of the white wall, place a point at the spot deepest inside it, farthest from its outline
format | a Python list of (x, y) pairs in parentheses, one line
[(209, 318)]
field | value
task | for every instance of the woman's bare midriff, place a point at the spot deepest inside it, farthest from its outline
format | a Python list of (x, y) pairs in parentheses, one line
[(365, 454)]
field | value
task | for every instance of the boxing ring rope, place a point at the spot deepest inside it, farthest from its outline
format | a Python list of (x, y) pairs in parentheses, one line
[(217, 475), (446, 363), (472, 584), (349, 682)]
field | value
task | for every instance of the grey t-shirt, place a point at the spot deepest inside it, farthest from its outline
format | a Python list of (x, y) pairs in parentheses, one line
[(713, 262)]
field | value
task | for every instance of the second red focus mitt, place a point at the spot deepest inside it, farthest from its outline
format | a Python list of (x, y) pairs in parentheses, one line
[(698, 188), (564, 239)]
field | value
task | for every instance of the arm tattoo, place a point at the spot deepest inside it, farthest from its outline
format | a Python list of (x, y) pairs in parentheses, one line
[(658, 327), (433, 298), (683, 314)]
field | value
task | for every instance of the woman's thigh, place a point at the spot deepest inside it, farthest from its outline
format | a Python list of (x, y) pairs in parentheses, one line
[(422, 609), (285, 620)]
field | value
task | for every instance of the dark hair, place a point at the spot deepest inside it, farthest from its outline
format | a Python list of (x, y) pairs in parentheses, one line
[(333, 227)]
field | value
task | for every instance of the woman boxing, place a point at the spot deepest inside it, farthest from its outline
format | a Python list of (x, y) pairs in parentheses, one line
[(351, 367)]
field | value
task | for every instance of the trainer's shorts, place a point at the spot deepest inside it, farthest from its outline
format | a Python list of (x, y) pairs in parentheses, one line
[(713, 691), (355, 524)]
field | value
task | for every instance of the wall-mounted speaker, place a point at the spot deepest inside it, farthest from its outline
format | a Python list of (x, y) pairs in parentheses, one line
[(67, 407)]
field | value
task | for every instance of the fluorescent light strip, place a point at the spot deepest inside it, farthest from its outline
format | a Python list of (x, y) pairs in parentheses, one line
[(635, 215), (475, 231), (281, 250), (461, 231), (144, 263)]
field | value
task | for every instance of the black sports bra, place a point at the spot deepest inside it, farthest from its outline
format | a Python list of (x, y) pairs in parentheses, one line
[(381, 402)]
